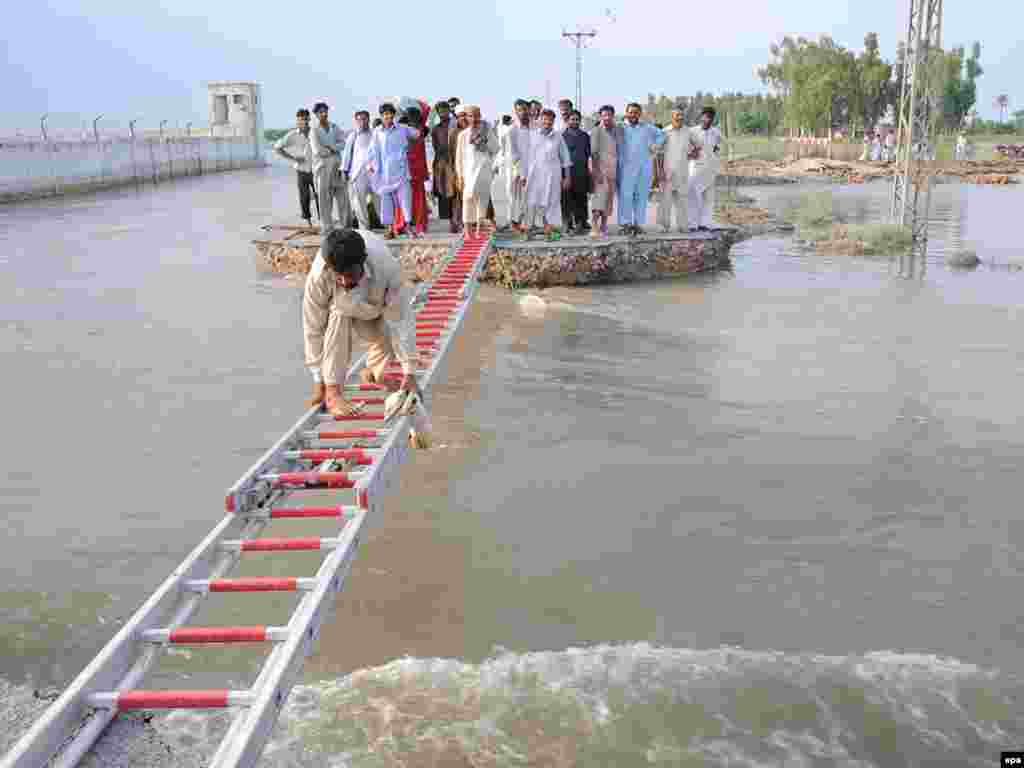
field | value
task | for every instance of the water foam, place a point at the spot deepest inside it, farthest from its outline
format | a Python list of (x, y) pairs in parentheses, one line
[(640, 704)]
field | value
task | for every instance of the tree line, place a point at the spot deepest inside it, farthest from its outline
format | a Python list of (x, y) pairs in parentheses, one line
[(825, 86), (819, 87)]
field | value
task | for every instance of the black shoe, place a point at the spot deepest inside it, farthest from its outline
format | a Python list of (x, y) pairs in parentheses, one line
[(692, 230), (703, 229)]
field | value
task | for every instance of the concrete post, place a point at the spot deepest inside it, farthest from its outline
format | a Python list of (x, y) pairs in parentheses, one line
[(49, 153), (99, 147), (131, 152)]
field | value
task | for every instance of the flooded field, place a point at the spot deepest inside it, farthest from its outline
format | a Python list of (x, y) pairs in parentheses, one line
[(758, 517)]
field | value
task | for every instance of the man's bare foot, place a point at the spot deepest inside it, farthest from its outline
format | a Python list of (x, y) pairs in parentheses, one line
[(336, 405), (317, 396)]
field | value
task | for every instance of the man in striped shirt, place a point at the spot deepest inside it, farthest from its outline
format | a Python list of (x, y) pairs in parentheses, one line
[(294, 147)]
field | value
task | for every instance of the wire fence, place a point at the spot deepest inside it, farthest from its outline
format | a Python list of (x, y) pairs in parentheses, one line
[(42, 167)]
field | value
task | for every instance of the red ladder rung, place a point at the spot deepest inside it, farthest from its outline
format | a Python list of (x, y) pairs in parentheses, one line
[(360, 417), (325, 454), (255, 584), (293, 512), (137, 699), (351, 434), (205, 635), (271, 544), (312, 479)]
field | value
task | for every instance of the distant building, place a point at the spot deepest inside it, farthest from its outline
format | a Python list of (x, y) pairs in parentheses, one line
[(236, 110)]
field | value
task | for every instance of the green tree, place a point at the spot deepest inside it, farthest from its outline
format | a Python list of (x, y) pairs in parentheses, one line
[(874, 83), (756, 123)]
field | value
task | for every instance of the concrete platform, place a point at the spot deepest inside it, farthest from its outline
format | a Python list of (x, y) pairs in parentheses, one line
[(582, 260), (519, 263)]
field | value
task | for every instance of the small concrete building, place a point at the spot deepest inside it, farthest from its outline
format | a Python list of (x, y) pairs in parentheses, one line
[(236, 110)]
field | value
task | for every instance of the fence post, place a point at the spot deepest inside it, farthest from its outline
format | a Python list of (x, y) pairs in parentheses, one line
[(99, 147), (49, 153), (152, 162)]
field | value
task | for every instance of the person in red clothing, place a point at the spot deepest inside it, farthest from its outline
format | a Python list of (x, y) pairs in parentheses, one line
[(419, 172)]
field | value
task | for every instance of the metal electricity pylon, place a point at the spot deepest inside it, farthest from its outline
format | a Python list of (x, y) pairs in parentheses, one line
[(919, 102), (580, 38)]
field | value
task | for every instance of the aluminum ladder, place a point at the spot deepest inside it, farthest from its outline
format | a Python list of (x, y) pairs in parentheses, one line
[(359, 462)]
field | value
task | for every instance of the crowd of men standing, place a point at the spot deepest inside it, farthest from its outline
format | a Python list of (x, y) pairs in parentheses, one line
[(536, 170)]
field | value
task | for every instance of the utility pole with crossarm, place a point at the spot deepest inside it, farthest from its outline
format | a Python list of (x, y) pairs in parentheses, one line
[(580, 39)]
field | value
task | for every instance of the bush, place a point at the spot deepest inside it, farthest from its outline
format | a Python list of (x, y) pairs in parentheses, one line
[(814, 216), (881, 239), (815, 221)]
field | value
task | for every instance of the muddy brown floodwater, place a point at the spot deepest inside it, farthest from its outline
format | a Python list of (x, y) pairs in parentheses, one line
[(763, 516)]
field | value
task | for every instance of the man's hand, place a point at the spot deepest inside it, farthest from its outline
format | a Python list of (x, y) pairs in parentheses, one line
[(566, 184), (409, 383), (318, 394)]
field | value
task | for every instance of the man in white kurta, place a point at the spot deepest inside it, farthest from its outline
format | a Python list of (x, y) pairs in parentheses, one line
[(355, 165), (474, 158), (518, 140), (500, 198), (547, 174), (676, 181), (354, 278), (327, 140), (703, 171)]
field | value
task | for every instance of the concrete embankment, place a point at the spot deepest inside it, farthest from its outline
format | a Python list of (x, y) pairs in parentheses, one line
[(517, 263), (38, 169)]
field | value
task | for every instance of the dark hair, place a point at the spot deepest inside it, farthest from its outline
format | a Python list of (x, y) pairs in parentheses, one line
[(414, 116), (320, 106), (506, 119), (344, 249), (708, 111), (606, 108), (565, 101), (659, 126), (548, 112), (534, 101), (387, 106), (302, 113), (634, 104), (455, 99), (377, 122), (522, 103), (363, 112), (442, 105), (577, 113)]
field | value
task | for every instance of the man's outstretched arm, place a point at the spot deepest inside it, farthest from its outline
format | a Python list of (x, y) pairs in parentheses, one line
[(316, 308)]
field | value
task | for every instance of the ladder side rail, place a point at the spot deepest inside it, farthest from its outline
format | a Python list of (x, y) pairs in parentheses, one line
[(243, 744), (109, 668), (380, 478)]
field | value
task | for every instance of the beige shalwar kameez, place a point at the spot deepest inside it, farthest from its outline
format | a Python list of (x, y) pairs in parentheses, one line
[(674, 190), (332, 316), (604, 161), (473, 166)]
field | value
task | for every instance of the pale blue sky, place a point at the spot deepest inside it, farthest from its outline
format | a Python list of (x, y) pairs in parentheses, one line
[(149, 59)]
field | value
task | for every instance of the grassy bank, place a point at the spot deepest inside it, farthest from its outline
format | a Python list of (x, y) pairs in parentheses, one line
[(772, 148), (816, 221)]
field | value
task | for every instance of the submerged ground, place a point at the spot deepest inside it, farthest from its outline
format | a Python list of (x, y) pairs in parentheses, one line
[(809, 460)]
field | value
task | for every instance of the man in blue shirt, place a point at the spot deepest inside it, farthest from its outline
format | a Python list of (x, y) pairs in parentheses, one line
[(639, 141)]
